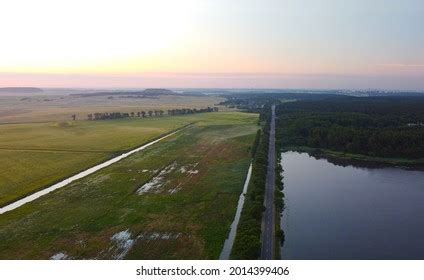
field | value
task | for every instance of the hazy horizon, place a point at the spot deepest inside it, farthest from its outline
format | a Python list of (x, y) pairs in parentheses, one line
[(307, 44)]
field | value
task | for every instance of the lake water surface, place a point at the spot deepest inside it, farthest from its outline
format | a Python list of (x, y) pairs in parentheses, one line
[(336, 212)]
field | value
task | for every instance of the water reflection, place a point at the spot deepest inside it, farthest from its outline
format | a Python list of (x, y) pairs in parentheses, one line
[(336, 212)]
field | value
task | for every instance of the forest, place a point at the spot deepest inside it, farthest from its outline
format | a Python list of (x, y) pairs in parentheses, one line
[(391, 127)]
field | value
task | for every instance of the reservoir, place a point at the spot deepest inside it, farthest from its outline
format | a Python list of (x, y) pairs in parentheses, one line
[(348, 212)]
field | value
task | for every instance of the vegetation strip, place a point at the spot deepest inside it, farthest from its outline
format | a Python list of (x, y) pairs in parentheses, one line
[(80, 175), (229, 242), (268, 222), (279, 202), (247, 244), (150, 113)]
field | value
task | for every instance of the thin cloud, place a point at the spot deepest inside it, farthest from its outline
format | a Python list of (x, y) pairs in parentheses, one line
[(403, 65)]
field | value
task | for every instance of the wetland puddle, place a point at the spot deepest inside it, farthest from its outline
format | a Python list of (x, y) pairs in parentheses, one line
[(159, 182)]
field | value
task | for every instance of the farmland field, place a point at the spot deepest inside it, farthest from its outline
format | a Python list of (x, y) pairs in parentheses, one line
[(23, 171), (60, 107), (162, 203), (35, 155)]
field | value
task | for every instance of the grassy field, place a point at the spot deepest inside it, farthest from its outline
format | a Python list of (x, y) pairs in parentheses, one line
[(23, 172), (35, 155), (162, 203), (41, 108), (88, 136)]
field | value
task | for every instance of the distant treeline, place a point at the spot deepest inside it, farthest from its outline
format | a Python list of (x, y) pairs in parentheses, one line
[(254, 102), (147, 93), (20, 90), (372, 126), (150, 113)]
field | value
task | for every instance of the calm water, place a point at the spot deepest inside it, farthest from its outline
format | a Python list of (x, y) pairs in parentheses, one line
[(335, 212)]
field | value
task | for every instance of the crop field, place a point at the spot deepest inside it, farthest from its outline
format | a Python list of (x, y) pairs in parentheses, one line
[(35, 155), (40, 108), (164, 202), (23, 171)]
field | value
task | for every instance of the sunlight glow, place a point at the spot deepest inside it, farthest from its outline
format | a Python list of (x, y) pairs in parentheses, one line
[(321, 40), (85, 36)]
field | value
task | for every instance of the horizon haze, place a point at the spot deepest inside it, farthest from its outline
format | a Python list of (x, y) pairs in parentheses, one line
[(216, 44)]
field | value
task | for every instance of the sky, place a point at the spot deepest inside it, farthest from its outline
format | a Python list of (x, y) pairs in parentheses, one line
[(353, 44)]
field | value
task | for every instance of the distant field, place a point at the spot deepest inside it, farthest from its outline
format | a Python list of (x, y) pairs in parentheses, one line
[(105, 136), (162, 203), (39, 108)]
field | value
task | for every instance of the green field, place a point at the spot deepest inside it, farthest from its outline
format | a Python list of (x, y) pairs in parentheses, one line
[(23, 172), (165, 202), (35, 155)]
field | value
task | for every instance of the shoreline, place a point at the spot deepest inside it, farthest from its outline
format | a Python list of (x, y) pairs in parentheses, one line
[(358, 160)]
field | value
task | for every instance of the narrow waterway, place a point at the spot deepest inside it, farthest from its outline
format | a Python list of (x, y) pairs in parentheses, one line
[(337, 212), (80, 175), (228, 244)]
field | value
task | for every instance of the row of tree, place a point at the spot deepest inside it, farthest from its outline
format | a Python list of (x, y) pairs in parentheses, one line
[(145, 114), (247, 244)]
